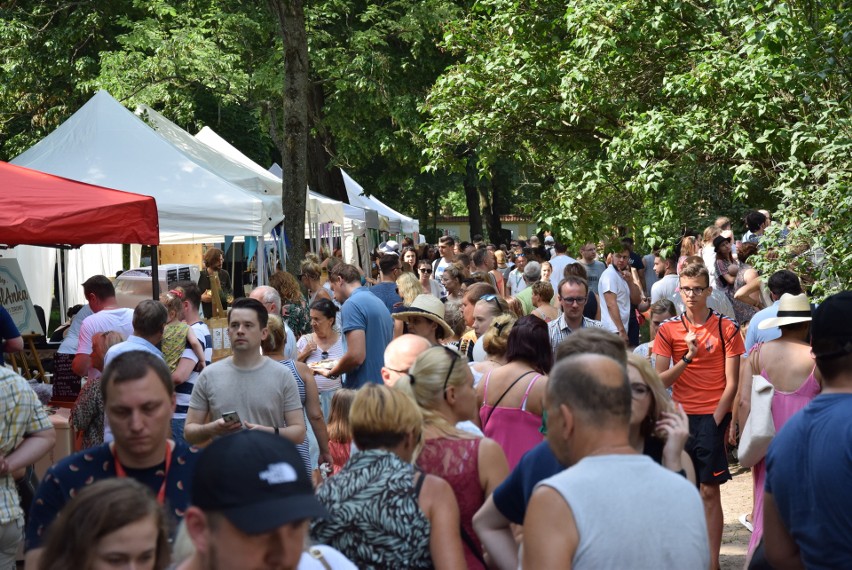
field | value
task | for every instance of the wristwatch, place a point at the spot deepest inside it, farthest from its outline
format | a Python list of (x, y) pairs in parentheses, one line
[(687, 359)]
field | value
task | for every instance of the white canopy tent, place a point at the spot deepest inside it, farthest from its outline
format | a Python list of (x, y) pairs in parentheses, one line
[(232, 164), (409, 225), (259, 183), (397, 223), (105, 144)]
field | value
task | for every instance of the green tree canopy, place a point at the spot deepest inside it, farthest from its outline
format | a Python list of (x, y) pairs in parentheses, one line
[(659, 114)]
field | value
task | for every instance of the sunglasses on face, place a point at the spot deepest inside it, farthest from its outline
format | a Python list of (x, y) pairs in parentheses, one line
[(426, 270)]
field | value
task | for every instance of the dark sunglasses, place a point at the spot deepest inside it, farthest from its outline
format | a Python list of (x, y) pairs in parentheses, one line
[(425, 270)]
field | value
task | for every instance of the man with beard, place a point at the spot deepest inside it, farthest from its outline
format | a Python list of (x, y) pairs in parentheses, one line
[(665, 266)]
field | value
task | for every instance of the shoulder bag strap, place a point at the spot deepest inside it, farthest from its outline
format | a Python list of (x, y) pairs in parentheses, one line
[(500, 399), (755, 370), (472, 546)]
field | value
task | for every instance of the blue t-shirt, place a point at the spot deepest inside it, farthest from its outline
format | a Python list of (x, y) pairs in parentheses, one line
[(8, 330), (83, 468), (364, 311), (387, 293), (512, 495), (809, 473), (133, 343), (755, 335)]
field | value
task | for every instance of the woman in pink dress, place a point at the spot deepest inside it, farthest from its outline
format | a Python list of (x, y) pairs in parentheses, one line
[(787, 364), (442, 385), (512, 396)]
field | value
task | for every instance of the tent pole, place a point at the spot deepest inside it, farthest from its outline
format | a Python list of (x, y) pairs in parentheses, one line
[(261, 262), (61, 282), (233, 263), (155, 273)]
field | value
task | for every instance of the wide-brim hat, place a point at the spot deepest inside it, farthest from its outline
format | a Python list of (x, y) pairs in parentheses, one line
[(429, 307), (791, 309)]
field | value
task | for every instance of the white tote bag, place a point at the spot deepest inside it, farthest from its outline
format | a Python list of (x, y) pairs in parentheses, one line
[(760, 427)]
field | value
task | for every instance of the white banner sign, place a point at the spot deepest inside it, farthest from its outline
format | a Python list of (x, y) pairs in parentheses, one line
[(15, 297)]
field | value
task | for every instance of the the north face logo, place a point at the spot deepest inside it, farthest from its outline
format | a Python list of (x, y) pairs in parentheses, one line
[(279, 473)]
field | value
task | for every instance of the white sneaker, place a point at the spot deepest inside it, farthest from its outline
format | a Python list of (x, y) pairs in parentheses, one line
[(746, 523)]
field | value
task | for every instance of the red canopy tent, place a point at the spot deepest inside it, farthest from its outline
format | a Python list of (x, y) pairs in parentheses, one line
[(42, 209)]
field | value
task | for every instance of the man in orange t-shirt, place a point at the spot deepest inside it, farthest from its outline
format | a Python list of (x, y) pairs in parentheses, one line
[(705, 348)]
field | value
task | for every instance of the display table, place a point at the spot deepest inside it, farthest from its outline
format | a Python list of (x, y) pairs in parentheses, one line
[(64, 445)]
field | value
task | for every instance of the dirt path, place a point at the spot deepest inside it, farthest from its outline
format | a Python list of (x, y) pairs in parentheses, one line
[(736, 500)]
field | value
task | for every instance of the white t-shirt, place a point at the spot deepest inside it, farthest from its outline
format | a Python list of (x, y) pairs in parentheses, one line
[(708, 254), (612, 282), (559, 263), (438, 268), (664, 288), (120, 320), (516, 281)]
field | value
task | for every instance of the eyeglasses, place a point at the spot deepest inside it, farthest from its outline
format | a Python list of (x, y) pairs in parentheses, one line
[(689, 291), (425, 270), (455, 356), (639, 391), (573, 300)]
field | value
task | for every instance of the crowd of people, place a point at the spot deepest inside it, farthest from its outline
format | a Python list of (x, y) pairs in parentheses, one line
[(468, 405)]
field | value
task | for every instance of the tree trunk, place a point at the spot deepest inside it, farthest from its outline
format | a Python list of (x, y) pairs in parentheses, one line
[(322, 176), (499, 189), (292, 142), (471, 194)]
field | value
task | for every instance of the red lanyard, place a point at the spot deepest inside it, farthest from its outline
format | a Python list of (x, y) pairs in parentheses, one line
[(120, 472)]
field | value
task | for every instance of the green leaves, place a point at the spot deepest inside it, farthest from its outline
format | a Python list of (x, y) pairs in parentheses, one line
[(657, 115)]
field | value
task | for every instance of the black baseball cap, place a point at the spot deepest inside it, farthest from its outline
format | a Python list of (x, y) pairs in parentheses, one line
[(256, 480), (831, 327)]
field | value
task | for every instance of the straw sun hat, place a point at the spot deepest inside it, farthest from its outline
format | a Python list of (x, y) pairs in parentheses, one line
[(429, 307), (791, 309)]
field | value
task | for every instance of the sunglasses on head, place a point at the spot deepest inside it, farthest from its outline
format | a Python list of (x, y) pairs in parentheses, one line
[(455, 356)]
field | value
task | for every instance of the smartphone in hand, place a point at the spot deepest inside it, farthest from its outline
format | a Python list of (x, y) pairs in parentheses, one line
[(231, 417)]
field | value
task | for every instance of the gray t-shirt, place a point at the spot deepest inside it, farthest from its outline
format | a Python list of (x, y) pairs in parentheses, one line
[(632, 513), (259, 395)]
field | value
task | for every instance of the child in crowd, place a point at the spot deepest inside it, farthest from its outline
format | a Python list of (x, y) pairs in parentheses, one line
[(178, 334), (339, 432)]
